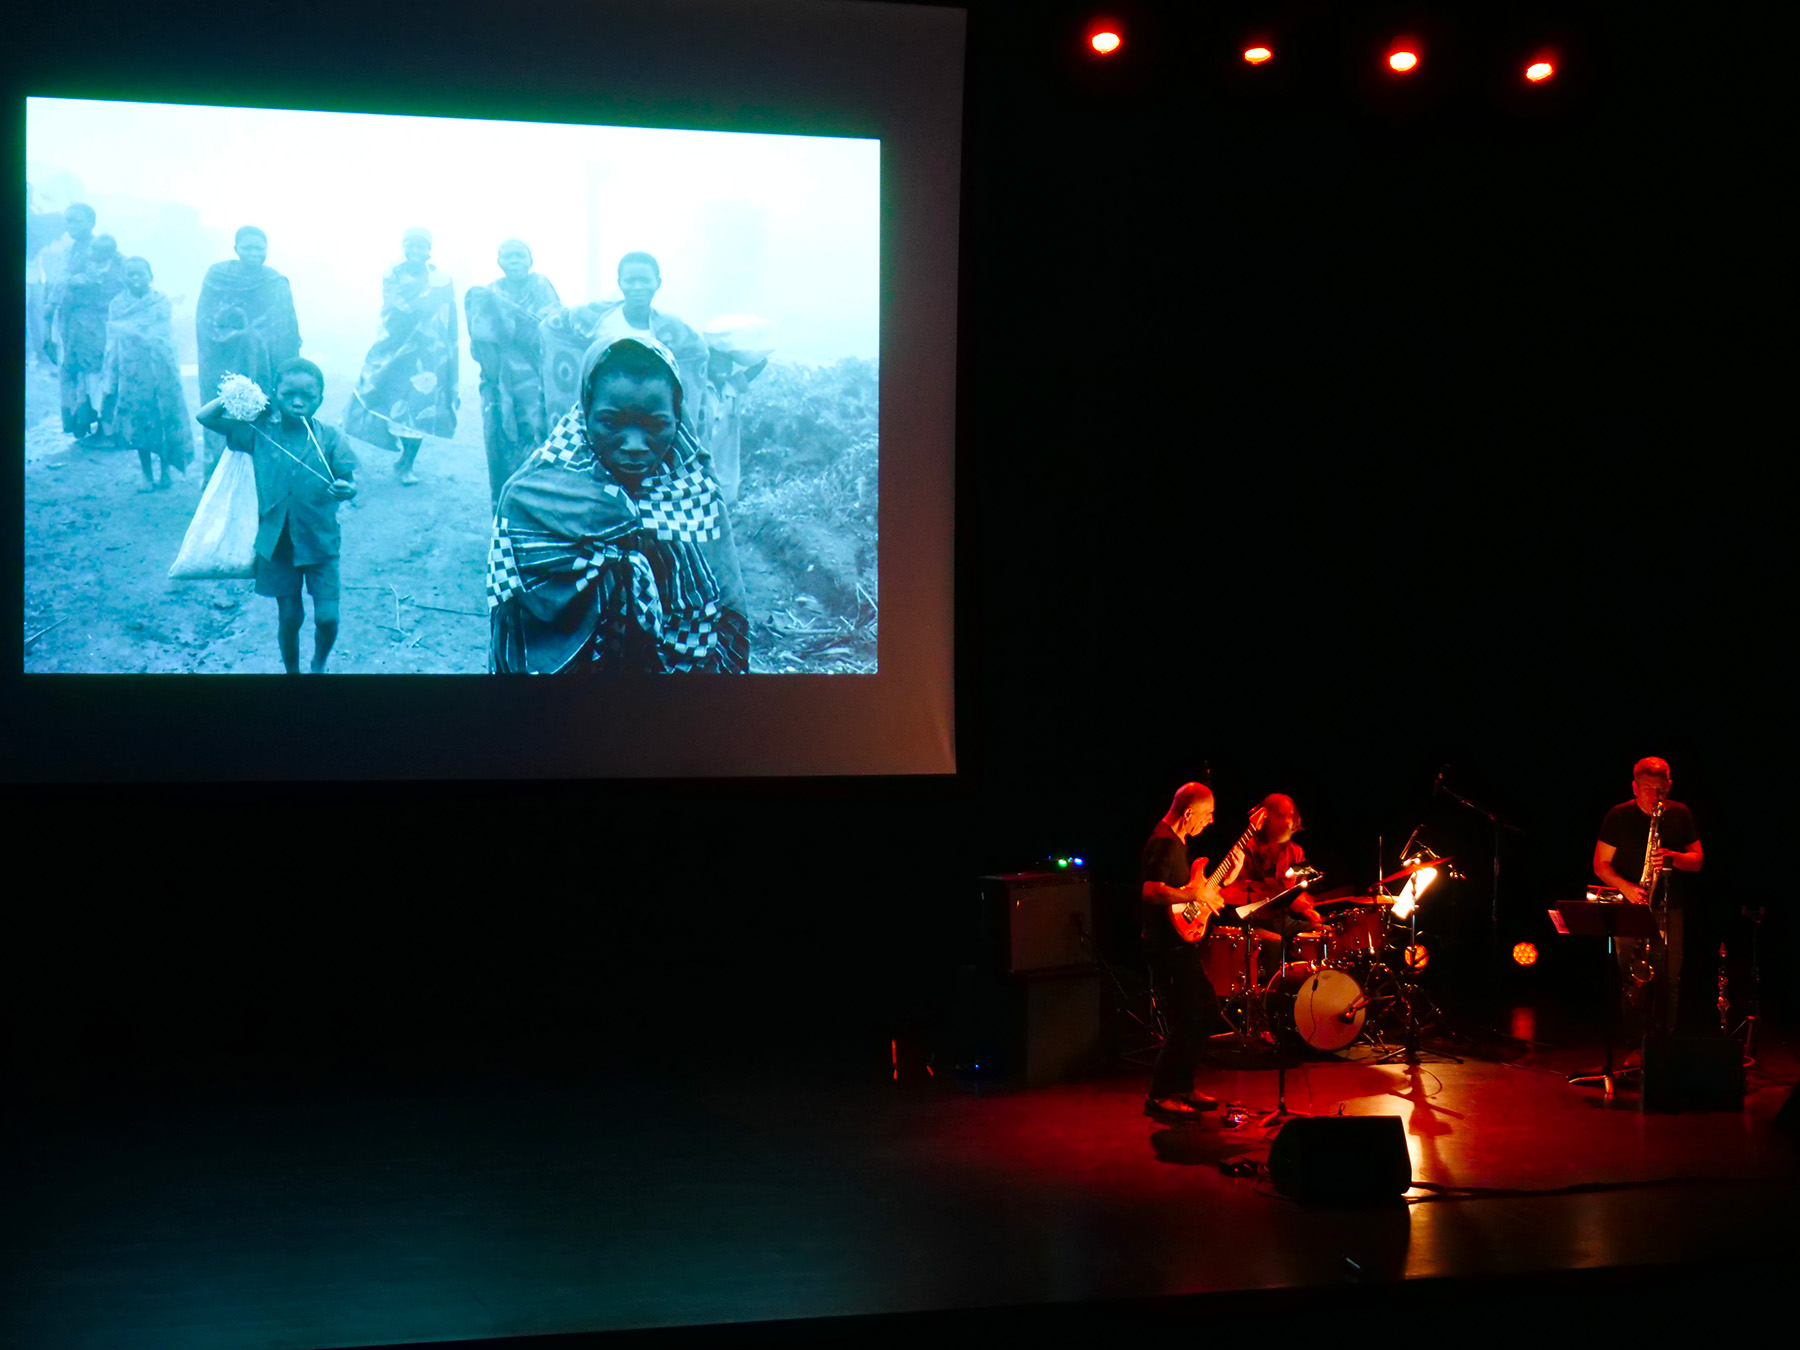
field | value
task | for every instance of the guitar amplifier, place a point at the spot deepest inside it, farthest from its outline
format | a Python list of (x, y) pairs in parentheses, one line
[(1038, 920)]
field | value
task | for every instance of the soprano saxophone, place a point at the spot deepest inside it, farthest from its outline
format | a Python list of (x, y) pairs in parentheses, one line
[(1651, 876), (1641, 970)]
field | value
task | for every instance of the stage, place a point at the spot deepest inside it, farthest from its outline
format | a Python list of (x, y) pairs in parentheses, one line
[(321, 1205)]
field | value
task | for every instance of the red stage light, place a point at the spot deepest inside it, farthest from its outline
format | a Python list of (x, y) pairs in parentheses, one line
[(1257, 55), (1106, 42), (1525, 953), (1417, 958), (1539, 71), (1402, 61)]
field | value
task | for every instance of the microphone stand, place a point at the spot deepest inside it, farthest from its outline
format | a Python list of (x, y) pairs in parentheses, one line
[(1498, 823)]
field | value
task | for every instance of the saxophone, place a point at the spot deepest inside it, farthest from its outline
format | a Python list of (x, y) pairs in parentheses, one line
[(1651, 876), (1643, 972)]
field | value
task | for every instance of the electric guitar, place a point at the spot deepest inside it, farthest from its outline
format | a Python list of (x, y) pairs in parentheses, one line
[(1191, 917)]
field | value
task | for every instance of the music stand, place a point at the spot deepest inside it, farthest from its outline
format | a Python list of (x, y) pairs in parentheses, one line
[(1611, 919)]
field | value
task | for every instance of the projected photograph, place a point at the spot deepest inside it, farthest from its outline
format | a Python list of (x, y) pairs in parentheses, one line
[(351, 393)]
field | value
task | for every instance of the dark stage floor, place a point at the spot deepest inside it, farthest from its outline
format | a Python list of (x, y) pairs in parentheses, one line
[(481, 1203)]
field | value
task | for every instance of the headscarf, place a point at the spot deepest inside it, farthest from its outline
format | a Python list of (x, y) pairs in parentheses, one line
[(583, 558)]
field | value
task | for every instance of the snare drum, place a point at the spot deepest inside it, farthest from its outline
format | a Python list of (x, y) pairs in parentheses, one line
[(1307, 949), (1355, 934)]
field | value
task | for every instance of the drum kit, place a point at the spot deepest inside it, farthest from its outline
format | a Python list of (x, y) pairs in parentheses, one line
[(1353, 977)]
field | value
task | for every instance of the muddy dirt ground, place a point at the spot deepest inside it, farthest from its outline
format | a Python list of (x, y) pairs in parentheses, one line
[(97, 552)]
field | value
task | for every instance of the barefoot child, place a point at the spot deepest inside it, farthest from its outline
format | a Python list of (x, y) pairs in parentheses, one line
[(143, 407), (303, 470)]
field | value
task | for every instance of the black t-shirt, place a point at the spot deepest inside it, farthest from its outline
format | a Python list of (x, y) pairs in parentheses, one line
[(1627, 829), (1165, 859)]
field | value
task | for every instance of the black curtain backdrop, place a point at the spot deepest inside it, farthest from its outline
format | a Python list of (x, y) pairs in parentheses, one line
[(1311, 437)]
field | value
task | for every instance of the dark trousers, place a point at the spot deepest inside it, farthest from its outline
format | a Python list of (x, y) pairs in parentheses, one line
[(1650, 982), (1190, 1008)]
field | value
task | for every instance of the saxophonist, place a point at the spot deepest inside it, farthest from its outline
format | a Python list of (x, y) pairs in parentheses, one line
[(1654, 838)]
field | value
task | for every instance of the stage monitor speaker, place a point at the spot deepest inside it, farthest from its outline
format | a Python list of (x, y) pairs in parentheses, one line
[(1341, 1160), (1045, 915), (1693, 1073)]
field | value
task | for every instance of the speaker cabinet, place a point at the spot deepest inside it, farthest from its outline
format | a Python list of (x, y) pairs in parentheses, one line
[(1033, 1029), (1693, 1073), (1038, 919), (1341, 1160)]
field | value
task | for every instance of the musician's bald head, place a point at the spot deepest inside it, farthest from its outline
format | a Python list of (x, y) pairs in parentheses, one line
[(1191, 811)]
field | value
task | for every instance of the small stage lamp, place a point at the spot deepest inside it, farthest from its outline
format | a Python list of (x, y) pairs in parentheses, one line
[(1257, 55), (1403, 61), (1417, 958), (1539, 71), (1105, 41), (1525, 953)]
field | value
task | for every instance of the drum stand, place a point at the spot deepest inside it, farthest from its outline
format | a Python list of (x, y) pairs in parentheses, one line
[(1746, 1028), (1409, 995), (1280, 1114)]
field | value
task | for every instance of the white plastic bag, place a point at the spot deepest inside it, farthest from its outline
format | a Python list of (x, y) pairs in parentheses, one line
[(221, 540)]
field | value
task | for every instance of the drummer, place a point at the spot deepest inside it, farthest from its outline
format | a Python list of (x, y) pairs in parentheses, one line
[(1272, 855)]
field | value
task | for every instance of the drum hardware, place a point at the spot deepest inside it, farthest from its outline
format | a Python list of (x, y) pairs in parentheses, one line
[(1613, 920), (1747, 1027), (1419, 871), (1280, 1115), (1498, 824)]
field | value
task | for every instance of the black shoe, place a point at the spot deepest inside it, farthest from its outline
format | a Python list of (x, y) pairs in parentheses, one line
[(1200, 1101), (1185, 1107)]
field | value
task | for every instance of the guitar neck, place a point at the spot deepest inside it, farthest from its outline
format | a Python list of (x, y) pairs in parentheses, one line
[(1233, 855)]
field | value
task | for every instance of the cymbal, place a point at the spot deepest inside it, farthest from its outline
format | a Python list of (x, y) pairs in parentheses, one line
[(1412, 867), (1342, 896)]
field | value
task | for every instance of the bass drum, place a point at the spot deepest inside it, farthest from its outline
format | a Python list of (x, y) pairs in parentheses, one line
[(1329, 1008)]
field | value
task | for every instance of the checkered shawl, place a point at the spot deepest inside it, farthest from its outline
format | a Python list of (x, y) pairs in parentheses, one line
[(582, 553)]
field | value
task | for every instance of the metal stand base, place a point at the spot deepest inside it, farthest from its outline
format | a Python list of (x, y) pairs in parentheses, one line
[(1605, 1078)]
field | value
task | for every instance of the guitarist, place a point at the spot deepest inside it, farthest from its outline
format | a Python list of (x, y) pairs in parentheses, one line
[(1190, 1004)]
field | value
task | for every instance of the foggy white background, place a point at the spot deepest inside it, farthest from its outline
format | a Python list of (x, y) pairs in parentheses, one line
[(783, 227)]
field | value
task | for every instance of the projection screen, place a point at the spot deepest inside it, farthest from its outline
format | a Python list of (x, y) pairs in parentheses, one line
[(643, 430)]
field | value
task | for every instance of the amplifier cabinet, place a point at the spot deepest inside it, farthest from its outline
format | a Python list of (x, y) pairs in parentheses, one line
[(1037, 920)]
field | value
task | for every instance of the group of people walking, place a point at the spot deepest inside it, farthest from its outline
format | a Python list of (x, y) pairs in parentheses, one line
[(610, 428), (108, 330)]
